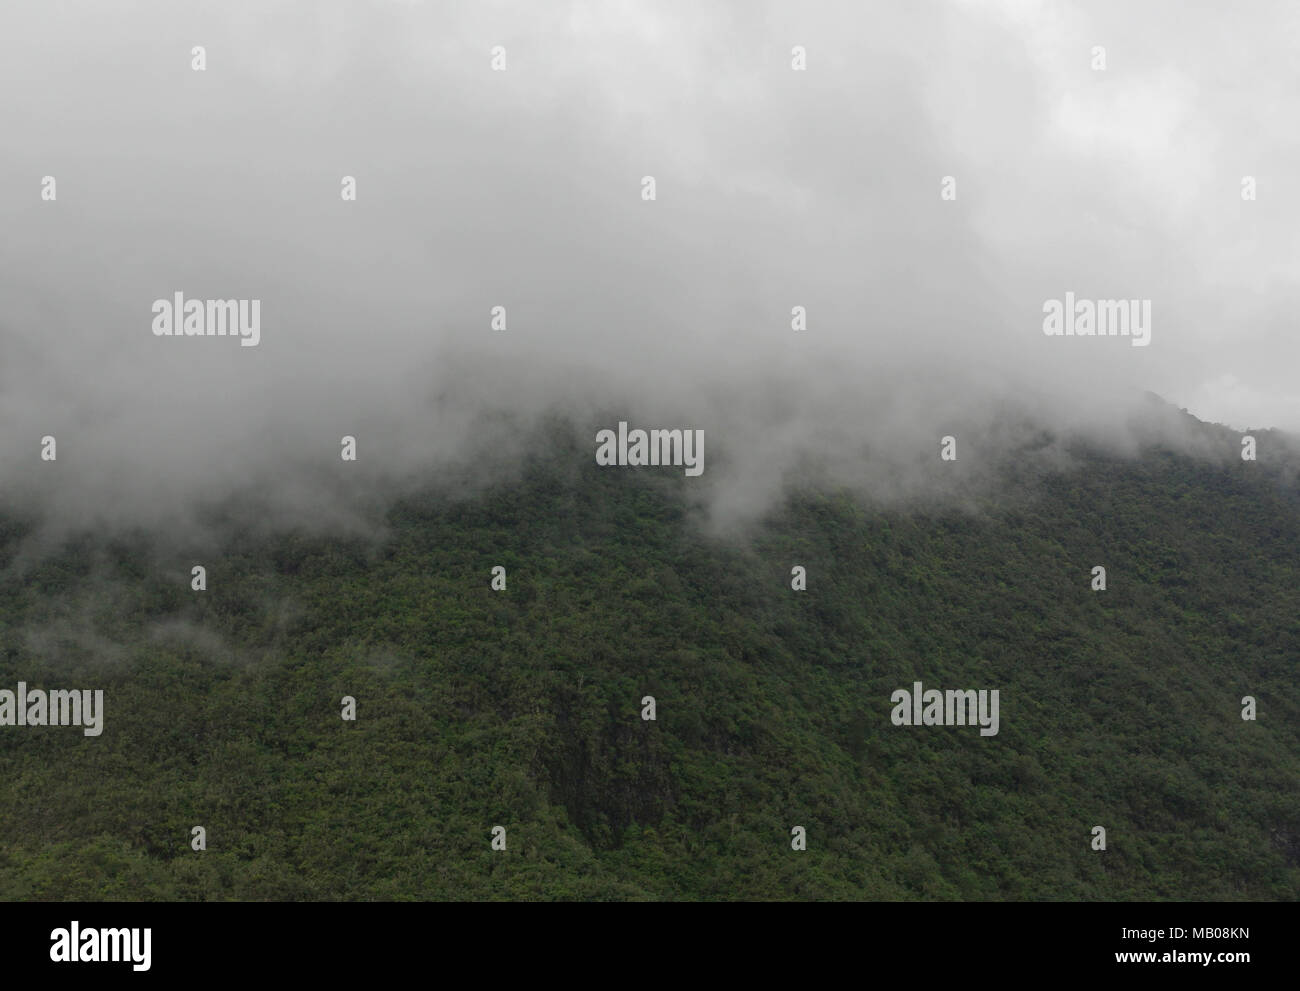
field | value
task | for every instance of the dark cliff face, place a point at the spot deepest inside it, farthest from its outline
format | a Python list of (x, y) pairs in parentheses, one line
[(523, 707)]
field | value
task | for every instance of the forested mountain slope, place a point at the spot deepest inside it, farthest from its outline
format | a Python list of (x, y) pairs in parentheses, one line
[(523, 708)]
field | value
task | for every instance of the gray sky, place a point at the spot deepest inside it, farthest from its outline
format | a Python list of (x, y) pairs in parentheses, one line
[(522, 188)]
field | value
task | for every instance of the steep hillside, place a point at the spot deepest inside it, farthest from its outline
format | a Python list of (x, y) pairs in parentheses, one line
[(522, 708)]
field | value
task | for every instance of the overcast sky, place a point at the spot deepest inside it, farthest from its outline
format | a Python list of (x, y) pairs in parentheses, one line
[(522, 188)]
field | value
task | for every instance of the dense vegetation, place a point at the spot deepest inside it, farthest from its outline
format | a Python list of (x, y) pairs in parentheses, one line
[(522, 708)]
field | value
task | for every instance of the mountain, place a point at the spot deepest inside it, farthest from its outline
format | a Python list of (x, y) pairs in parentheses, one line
[(522, 707)]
